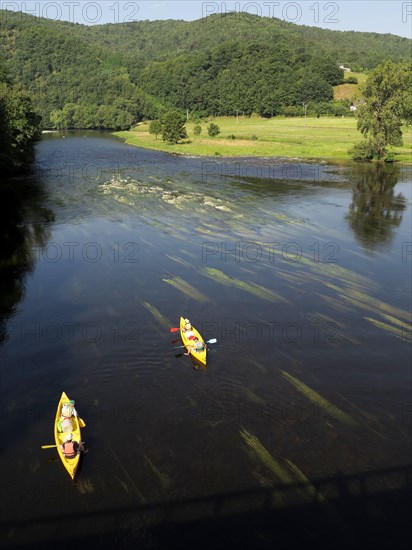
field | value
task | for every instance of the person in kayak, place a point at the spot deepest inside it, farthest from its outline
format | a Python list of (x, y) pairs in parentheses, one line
[(196, 345), (71, 448), (68, 412), (68, 409), (187, 329)]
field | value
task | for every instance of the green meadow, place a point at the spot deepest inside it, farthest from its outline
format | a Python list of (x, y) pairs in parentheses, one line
[(308, 138)]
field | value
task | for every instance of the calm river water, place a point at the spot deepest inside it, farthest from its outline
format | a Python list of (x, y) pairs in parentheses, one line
[(299, 428)]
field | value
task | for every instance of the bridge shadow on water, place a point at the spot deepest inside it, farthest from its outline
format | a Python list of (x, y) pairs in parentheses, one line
[(370, 510)]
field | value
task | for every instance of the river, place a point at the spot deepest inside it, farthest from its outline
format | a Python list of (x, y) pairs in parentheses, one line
[(298, 430)]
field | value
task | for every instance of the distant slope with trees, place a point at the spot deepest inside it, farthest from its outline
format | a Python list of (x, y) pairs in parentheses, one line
[(162, 40), (113, 76)]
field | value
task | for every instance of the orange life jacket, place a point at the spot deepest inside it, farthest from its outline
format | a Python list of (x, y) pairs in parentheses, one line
[(68, 449)]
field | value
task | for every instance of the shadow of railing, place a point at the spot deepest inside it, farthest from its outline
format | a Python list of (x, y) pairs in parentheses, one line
[(366, 510)]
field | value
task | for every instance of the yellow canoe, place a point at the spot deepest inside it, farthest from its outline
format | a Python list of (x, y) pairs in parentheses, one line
[(199, 356), (69, 463)]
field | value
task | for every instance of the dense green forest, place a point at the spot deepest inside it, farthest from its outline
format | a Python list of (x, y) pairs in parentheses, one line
[(19, 125), (112, 76)]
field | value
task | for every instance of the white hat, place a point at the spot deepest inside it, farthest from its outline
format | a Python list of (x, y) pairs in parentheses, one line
[(187, 321), (69, 437)]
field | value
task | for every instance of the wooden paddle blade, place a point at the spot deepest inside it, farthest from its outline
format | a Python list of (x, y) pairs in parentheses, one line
[(82, 423), (48, 446)]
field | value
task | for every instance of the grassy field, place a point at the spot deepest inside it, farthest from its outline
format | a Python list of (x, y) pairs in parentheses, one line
[(346, 91), (349, 91), (360, 76), (300, 138)]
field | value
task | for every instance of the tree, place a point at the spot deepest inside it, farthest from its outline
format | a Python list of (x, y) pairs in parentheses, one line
[(173, 126), (327, 69), (213, 129), (197, 130), (20, 126), (387, 103), (155, 127), (312, 88), (64, 118)]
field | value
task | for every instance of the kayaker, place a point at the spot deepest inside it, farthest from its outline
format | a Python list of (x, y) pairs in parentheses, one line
[(187, 329), (71, 448), (196, 345), (68, 409), (68, 412)]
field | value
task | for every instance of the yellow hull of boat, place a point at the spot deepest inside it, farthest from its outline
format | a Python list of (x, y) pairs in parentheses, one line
[(70, 464), (199, 356)]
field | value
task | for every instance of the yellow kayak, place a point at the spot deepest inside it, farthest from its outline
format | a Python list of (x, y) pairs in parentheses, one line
[(199, 356), (69, 463)]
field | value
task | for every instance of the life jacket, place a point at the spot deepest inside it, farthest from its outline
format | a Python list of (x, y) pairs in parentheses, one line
[(68, 449)]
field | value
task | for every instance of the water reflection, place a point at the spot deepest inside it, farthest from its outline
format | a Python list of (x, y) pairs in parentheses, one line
[(24, 226), (375, 210)]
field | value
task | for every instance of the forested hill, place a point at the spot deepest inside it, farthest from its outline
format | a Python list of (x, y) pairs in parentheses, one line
[(111, 76), (161, 40)]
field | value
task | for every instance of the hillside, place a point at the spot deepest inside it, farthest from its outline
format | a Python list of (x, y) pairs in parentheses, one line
[(161, 40), (111, 76)]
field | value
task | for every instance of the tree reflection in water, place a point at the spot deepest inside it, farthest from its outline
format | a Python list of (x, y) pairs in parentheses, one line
[(24, 226), (375, 210)]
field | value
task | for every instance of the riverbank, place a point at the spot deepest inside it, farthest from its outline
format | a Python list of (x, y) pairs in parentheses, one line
[(303, 138)]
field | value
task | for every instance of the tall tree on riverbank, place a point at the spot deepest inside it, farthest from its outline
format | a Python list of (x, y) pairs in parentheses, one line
[(387, 105), (155, 127), (19, 127), (173, 126)]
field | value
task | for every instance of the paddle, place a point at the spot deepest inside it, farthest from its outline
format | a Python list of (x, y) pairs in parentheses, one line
[(54, 446), (211, 341), (174, 329)]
